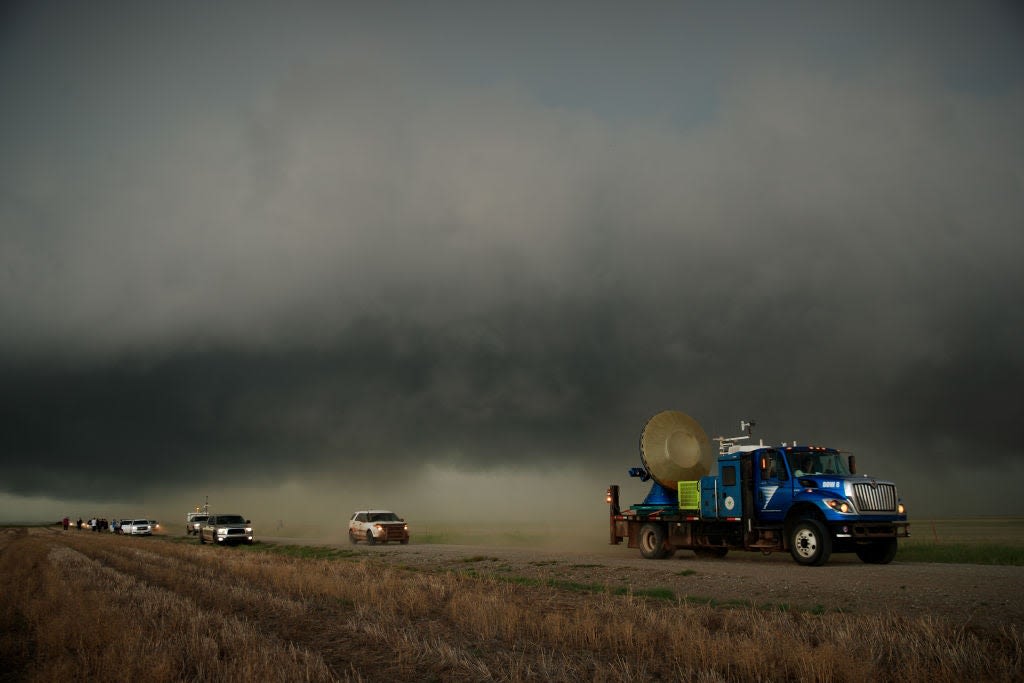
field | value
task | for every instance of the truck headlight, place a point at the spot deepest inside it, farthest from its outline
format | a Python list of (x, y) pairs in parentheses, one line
[(839, 505), (901, 509), (248, 529)]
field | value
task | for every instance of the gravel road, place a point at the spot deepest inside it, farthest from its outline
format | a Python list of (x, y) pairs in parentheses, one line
[(978, 597)]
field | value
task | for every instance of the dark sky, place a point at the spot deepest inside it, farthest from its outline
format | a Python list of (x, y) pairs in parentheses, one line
[(444, 254)]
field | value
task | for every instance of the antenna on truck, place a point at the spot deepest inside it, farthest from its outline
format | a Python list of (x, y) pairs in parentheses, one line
[(726, 444)]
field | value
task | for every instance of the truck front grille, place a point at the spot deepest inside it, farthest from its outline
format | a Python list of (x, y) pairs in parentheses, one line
[(875, 497)]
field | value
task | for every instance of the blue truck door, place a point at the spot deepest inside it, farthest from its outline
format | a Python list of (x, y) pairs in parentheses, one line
[(774, 492), (721, 497), (730, 496)]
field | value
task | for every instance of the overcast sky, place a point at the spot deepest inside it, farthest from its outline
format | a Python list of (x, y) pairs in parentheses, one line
[(430, 256)]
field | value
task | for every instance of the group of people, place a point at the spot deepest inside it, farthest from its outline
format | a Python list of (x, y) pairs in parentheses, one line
[(96, 524)]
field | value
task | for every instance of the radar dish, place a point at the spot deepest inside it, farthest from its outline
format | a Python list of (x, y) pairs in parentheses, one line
[(674, 448)]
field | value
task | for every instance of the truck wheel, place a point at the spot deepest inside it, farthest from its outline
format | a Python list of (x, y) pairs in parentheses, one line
[(652, 542), (809, 543), (201, 540), (710, 552), (352, 538), (370, 540), (881, 552)]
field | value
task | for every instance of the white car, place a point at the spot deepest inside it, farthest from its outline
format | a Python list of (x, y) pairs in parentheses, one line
[(377, 526)]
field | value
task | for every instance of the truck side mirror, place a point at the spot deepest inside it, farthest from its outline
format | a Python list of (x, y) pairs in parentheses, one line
[(853, 464)]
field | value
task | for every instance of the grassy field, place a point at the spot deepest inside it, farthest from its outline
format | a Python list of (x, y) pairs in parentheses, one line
[(101, 607), (977, 540)]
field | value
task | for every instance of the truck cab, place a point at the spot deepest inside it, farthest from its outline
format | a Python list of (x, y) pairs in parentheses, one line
[(777, 489)]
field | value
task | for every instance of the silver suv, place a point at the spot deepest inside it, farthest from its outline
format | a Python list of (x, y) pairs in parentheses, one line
[(226, 529)]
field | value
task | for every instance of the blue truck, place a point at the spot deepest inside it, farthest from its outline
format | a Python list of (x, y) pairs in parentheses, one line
[(808, 500)]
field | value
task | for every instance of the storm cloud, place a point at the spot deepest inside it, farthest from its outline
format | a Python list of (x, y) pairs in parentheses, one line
[(309, 260)]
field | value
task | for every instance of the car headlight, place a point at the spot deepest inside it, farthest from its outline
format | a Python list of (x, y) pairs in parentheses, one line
[(839, 505), (901, 509), (248, 529)]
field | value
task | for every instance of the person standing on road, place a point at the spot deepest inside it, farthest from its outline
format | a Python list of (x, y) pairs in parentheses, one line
[(66, 523)]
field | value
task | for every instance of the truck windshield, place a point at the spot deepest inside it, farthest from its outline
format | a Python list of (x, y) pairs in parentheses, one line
[(812, 462), (230, 519), (384, 517)]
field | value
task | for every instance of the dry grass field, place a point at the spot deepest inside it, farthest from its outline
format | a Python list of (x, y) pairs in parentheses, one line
[(82, 606)]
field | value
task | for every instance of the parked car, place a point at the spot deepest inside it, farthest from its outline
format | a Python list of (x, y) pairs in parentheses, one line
[(377, 526), (136, 527), (225, 529), (193, 521)]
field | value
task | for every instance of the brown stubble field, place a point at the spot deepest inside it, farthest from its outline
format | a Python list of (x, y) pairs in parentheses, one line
[(82, 606)]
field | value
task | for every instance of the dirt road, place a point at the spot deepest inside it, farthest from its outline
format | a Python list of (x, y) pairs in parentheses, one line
[(979, 597)]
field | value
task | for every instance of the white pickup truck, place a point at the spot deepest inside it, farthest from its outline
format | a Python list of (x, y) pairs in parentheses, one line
[(194, 520), (225, 529), (136, 527)]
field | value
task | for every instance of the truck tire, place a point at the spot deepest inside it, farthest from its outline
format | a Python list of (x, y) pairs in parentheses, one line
[(352, 538), (809, 543), (652, 542), (710, 552), (370, 540), (881, 552), (201, 541)]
